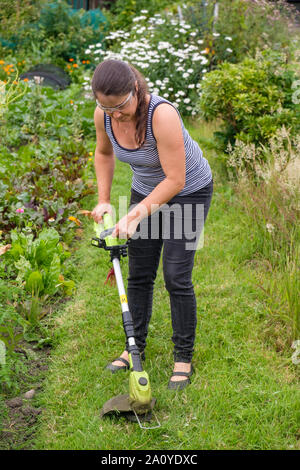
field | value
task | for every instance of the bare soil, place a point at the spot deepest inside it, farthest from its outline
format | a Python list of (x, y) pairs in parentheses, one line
[(22, 411)]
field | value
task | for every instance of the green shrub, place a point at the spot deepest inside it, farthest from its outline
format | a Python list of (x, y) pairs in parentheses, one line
[(54, 31), (254, 98)]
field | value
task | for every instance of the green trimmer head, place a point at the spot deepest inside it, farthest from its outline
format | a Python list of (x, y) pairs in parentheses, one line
[(138, 404), (120, 406)]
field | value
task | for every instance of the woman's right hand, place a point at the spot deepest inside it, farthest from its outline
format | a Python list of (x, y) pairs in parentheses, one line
[(100, 209)]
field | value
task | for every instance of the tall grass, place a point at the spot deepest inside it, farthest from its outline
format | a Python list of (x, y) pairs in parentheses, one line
[(270, 196)]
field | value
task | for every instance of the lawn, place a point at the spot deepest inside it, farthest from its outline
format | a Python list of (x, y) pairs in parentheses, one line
[(244, 393)]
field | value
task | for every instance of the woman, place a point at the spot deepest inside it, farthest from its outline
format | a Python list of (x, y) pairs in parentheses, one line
[(147, 132)]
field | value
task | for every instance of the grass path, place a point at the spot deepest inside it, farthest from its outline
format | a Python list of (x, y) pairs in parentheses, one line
[(244, 394)]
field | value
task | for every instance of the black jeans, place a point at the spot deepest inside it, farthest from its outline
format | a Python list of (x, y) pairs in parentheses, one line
[(172, 227)]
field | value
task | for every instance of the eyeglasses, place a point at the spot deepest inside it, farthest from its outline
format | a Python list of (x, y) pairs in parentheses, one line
[(116, 108)]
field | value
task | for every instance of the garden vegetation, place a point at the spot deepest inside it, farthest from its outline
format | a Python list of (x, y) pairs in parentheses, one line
[(232, 69)]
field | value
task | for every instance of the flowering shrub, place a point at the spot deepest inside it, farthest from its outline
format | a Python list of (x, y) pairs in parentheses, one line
[(170, 53)]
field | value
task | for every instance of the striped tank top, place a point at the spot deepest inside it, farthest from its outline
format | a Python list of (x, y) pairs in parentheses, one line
[(145, 163)]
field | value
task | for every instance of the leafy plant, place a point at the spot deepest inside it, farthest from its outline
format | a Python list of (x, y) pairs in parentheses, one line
[(253, 98), (38, 263), (44, 167), (8, 334)]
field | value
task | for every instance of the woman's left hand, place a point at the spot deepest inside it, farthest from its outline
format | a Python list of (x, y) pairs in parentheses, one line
[(126, 227)]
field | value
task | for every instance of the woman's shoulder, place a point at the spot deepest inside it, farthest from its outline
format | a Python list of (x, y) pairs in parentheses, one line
[(165, 119), (163, 109)]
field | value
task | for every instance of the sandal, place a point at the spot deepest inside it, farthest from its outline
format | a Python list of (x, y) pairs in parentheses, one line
[(180, 384), (114, 368)]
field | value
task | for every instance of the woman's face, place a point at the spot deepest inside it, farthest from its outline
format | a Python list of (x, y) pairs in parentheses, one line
[(121, 108)]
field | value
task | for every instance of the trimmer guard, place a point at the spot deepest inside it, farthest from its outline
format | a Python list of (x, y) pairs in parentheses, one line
[(122, 404)]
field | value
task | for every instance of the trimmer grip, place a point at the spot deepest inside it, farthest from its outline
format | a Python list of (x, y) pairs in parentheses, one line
[(107, 221), (109, 228)]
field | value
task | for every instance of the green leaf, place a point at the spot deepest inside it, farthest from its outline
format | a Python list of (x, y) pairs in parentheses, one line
[(35, 283), (24, 268), (69, 286), (51, 279)]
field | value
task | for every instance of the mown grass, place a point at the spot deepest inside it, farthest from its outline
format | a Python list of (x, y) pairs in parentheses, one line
[(244, 393)]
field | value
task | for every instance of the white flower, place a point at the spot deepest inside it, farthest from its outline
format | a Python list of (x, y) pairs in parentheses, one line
[(228, 38), (186, 100), (166, 95), (200, 41), (191, 85), (38, 80), (164, 45), (270, 228), (185, 75), (228, 49), (190, 70), (216, 35), (138, 18)]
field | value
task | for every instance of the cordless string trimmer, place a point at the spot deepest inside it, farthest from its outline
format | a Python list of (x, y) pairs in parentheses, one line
[(138, 404)]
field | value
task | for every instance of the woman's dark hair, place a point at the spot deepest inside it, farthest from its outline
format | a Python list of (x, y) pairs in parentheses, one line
[(115, 77)]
